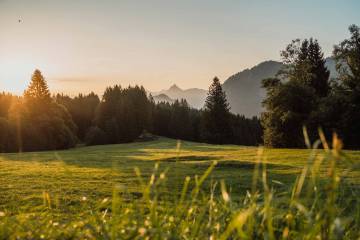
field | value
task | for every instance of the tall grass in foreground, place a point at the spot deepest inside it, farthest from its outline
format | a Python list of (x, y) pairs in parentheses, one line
[(321, 204)]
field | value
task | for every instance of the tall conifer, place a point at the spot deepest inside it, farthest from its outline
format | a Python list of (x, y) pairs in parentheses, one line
[(38, 88), (217, 128)]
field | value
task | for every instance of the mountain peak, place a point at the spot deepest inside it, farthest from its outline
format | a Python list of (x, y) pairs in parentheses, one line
[(174, 87)]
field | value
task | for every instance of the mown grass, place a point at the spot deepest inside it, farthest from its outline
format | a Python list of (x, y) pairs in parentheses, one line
[(165, 189)]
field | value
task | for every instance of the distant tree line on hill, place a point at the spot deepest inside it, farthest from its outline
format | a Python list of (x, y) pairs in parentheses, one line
[(303, 95), (212, 124), (37, 121)]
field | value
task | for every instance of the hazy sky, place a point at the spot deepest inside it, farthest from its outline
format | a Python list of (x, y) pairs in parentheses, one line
[(83, 45)]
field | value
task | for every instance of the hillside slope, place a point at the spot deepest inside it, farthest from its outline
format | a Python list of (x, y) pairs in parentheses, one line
[(244, 91)]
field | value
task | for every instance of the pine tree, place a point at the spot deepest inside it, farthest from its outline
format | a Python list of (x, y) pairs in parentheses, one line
[(320, 74), (294, 102), (304, 62), (217, 128), (180, 124), (38, 88), (123, 114)]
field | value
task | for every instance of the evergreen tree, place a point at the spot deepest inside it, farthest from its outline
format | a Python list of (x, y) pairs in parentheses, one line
[(39, 122), (180, 126), (6, 100), (246, 131), (161, 119), (347, 56), (292, 101), (38, 88), (4, 135), (304, 62), (216, 116), (123, 114), (320, 74), (82, 109), (288, 106)]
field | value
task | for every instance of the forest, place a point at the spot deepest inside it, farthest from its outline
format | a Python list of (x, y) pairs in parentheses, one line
[(301, 95), (39, 121)]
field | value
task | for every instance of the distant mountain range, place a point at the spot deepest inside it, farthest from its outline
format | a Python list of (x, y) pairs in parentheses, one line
[(194, 96), (243, 89)]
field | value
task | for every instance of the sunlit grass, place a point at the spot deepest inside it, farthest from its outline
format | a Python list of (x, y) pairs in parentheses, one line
[(116, 192)]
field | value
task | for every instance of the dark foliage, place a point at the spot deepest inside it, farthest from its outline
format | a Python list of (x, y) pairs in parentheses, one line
[(95, 136), (82, 109), (39, 122), (216, 116), (123, 114), (35, 122), (293, 98), (176, 120), (246, 131), (347, 56), (304, 96)]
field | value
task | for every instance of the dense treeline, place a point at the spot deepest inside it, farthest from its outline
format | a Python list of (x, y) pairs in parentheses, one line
[(34, 121), (125, 113), (37, 121), (303, 94), (213, 124), (121, 116), (82, 109)]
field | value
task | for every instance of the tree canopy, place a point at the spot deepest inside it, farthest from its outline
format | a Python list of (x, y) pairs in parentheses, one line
[(303, 95), (35, 122), (293, 98)]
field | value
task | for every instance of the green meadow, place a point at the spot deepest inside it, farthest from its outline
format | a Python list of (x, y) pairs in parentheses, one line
[(86, 183)]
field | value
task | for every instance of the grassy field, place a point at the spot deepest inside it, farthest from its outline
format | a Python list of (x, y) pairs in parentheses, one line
[(68, 183)]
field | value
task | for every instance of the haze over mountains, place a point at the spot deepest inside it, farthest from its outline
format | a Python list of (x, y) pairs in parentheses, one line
[(243, 89), (194, 96)]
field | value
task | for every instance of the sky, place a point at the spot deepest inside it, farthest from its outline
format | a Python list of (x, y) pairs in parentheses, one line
[(86, 45)]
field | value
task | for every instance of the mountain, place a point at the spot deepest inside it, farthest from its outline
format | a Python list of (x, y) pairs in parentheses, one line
[(243, 89), (194, 96), (163, 98)]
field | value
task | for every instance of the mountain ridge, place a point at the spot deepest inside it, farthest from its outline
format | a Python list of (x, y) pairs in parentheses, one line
[(194, 96)]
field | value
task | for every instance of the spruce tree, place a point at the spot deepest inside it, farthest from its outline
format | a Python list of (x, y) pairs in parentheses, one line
[(304, 62), (293, 101), (38, 88), (217, 128), (320, 74)]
